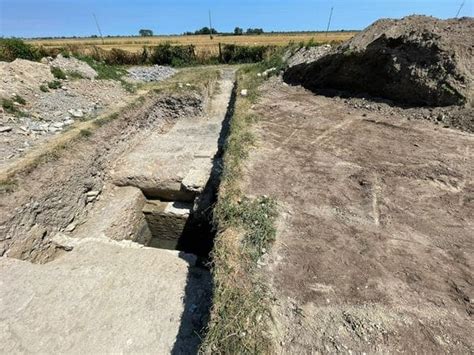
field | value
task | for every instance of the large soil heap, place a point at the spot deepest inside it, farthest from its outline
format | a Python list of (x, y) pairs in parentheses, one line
[(417, 60)]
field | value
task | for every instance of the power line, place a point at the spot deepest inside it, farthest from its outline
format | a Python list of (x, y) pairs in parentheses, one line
[(460, 8), (98, 28), (330, 18)]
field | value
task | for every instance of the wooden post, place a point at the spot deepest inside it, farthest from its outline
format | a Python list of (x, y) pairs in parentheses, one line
[(220, 53)]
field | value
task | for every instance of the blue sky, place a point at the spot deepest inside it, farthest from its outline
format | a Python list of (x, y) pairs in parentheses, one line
[(35, 18)]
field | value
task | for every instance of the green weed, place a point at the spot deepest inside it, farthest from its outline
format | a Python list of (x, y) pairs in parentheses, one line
[(55, 84), (58, 73), (12, 48), (74, 75), (85, 133)]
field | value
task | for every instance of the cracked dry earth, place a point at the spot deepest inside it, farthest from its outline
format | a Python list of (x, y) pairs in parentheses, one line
[(374, 250)]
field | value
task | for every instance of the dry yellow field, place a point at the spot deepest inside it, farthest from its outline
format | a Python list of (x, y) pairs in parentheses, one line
[(203, 43)]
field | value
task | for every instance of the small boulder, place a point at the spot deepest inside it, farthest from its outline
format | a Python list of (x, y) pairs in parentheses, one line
[(76, 113)]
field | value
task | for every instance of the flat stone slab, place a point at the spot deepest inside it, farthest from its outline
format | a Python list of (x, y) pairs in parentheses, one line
[(177, 165), (103, 297)]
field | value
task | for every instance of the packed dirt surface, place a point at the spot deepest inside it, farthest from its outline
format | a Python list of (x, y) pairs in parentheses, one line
[(417, 60), (374, 250)]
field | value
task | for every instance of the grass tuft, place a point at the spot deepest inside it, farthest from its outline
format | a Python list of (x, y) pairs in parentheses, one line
[(11, 106), (55, 84), (109, 72), (74, 75), (7, 186), (85, 133), (58, 73), (18, 99)]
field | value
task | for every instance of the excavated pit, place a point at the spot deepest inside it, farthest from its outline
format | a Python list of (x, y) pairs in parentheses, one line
[(180, 217), (122, 215), (68, 194)]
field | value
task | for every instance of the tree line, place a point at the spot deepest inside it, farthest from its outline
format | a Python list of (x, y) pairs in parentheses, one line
[(210, 31)]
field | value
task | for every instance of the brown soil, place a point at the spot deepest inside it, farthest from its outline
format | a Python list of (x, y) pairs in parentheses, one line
[(417, 61), (374, 250)]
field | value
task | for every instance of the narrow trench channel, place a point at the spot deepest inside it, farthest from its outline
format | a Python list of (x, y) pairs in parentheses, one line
[(185, 223)]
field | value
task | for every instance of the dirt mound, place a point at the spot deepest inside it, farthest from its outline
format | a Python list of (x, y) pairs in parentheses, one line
[(23, 77), (417, 60), (73, 65)]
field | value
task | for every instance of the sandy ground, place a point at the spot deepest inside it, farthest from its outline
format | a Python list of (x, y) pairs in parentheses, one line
[(375, 246)]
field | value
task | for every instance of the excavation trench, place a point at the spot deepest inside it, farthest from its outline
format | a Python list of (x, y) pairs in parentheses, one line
[(148, 176), (123, 214), (178, 174)]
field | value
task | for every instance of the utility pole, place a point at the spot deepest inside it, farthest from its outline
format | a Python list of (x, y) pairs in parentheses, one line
[(98, 28), (210, 24), (330, 18), (460, 8)]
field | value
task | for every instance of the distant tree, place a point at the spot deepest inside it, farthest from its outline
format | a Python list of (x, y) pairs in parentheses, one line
[(206, 31), (238, 31), (254, 31), (145, 33)]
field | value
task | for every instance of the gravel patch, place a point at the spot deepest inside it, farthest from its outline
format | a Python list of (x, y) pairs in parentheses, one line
[(149, 74)]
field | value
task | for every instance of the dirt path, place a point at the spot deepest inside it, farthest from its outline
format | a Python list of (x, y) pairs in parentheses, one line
[(374, 250)]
